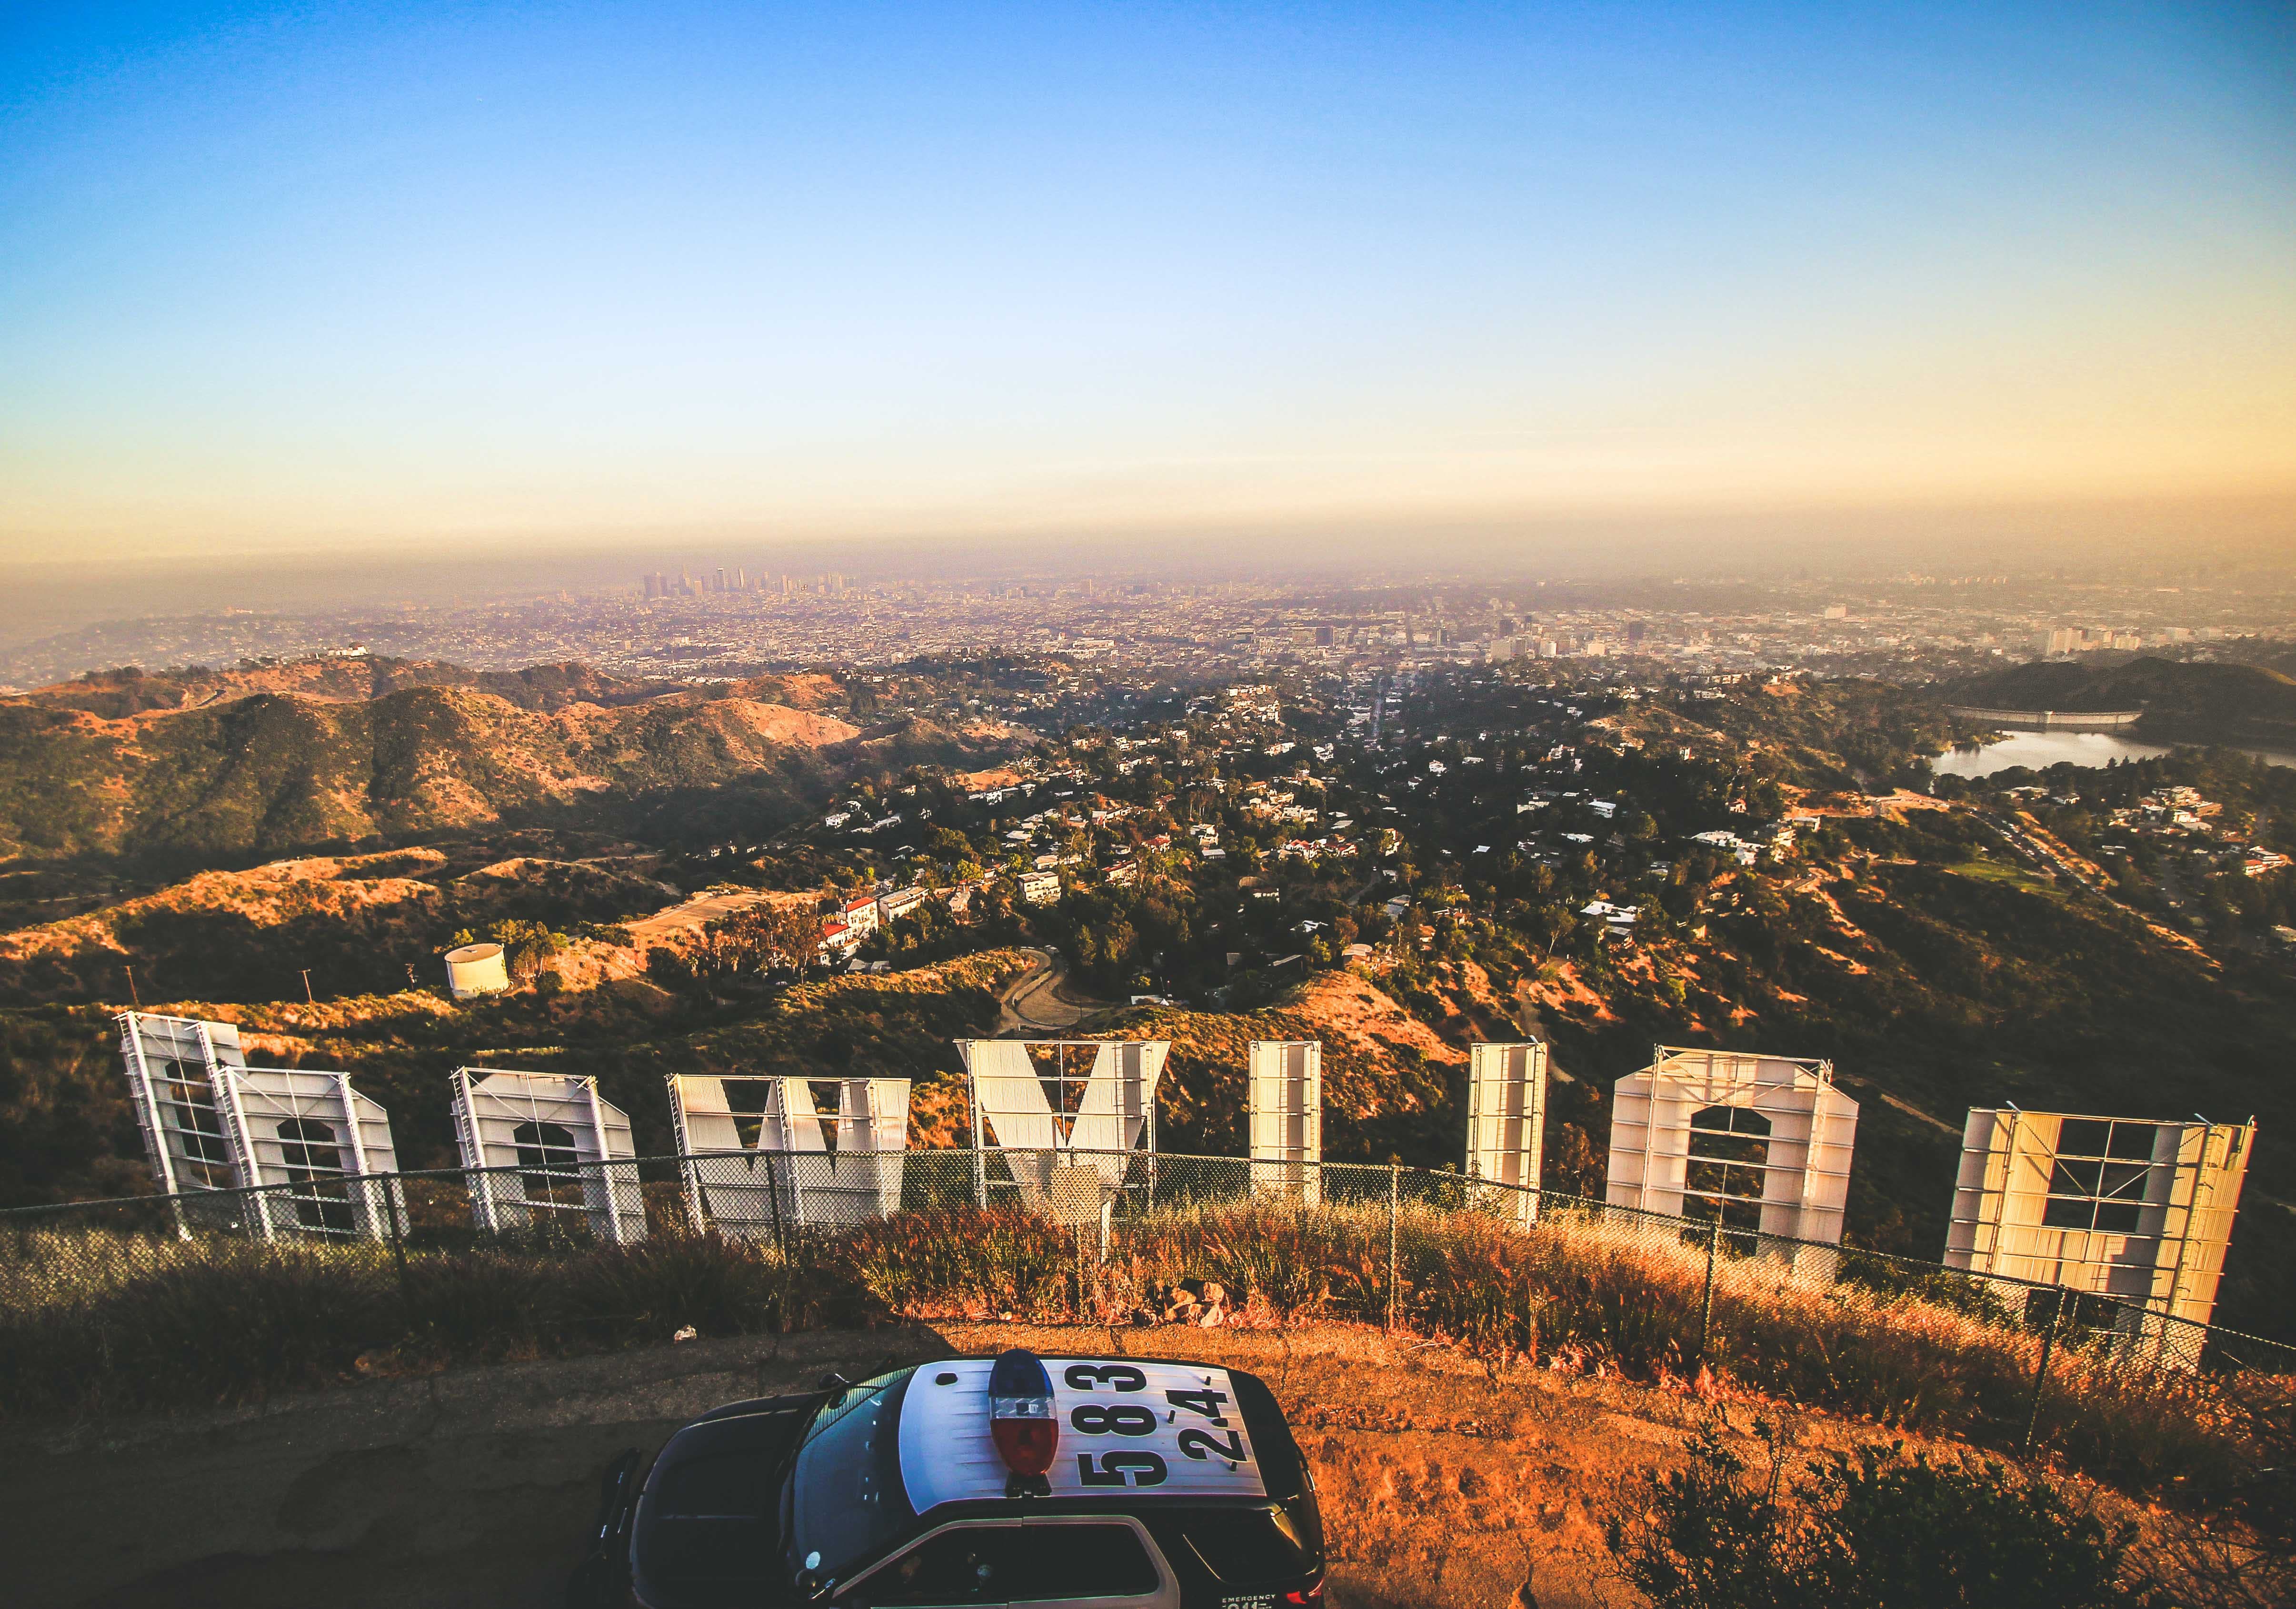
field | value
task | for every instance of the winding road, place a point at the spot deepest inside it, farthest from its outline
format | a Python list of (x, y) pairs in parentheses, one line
[(1037, 1003)]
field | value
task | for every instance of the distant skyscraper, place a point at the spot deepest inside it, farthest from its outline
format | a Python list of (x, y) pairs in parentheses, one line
[(1636, 630)]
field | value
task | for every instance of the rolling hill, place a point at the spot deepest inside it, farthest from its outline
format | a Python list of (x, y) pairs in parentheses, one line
[(354, 922), (130, 690), (140, 769), (2179, 699)]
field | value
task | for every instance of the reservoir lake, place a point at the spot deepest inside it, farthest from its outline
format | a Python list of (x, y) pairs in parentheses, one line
[(2039, 749)]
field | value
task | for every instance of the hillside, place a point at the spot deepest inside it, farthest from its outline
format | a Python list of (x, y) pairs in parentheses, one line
[(1392, 1086), (271, 772), (355, 922), (66, 1130), (2191, 700), (129, 690), (132, 690)]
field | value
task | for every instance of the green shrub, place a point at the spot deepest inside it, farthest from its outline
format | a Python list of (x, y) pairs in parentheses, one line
[(1877, 1530)]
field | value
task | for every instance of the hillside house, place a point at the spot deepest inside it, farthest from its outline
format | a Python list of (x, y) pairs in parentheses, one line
[(1616, 919)]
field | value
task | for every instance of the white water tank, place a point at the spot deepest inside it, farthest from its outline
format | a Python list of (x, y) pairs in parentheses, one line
[(477, 969)]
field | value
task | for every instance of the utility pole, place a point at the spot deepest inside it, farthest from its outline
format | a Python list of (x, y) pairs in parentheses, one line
[(131, 990), (307, 995)]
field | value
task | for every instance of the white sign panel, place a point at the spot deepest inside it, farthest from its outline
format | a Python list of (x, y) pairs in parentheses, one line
[(171, 1063), (1762, 1142), (317, 1143), (1285, 1088), (2130, 1208), (557, 1133), (1107, 1106), (1506, 1113), (760, 1152)]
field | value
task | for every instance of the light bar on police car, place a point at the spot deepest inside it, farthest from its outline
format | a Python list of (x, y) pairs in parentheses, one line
[(1021, 1412)]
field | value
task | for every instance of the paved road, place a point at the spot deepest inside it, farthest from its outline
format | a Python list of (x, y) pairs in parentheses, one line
[(1038, 1001)]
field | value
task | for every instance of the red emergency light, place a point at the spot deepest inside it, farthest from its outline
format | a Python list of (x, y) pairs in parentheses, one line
[(1021, 1419)]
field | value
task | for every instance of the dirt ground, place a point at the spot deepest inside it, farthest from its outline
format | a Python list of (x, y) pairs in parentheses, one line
[(1441, 1483)]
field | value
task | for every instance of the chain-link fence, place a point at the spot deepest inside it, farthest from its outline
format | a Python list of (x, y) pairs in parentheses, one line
[(1143, 1237)]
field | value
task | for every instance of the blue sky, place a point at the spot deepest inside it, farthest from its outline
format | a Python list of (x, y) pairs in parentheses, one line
[(330, 278)]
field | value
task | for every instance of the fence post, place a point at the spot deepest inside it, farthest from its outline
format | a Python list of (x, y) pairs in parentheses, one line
[(393, 1205), (2041, 1369), (1394, 1213), (787, 1164), (1706, 1303)]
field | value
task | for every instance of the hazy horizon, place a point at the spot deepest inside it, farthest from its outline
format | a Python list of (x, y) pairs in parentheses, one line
[(305, 285), (56, 594)]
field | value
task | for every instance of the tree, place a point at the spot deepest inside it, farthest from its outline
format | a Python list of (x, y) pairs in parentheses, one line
[(950, 844), (526, 946)]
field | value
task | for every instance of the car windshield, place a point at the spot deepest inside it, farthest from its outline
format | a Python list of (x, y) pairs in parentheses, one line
[(845, 1498)]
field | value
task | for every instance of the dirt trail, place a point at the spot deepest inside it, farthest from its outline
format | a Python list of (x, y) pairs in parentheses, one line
[(675, 922), (1444, 1484)]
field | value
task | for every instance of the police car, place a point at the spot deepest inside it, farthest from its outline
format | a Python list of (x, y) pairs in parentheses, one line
[(1116, 1483)]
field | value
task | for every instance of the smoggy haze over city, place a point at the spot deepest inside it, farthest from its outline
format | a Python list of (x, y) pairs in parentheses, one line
[(321, 287)]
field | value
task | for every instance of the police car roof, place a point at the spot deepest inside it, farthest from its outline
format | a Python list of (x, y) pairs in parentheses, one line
[(1128, 1428)]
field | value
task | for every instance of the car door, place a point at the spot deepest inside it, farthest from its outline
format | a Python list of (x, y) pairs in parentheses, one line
[(704, 1532), (1055, 1562)]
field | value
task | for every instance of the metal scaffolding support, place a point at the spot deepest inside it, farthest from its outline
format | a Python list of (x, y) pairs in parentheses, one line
[(1066, 1125), (759, 1152), (545, 1125), (2135, 1209), (1762, 1143)]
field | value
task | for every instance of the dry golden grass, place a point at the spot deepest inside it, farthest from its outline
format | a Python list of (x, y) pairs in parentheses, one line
[(1448, 1481), (104, 1317)]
